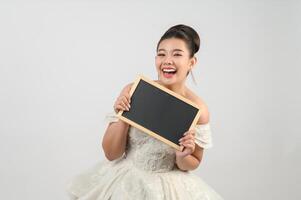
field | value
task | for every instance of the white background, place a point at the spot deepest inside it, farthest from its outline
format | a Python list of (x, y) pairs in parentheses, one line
[(63, 63)]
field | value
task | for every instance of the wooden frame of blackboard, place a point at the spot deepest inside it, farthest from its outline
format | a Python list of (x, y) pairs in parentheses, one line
[(156, 135)]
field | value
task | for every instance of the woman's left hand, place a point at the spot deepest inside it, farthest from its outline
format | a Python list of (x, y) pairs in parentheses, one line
[(188, 143)]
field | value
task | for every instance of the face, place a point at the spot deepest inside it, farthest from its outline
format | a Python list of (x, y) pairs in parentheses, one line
[(173, 61)]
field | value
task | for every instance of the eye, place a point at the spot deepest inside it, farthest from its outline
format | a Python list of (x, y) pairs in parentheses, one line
[(177, 54), (160, 54)]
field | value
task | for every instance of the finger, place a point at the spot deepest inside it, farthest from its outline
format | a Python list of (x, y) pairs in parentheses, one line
[(187, 142), (128, 97), (187, 151), (116, 110), (191, 142), (125, 99), (192, 131), (190, 146), (187, 137), (119, 107), (124, 105)]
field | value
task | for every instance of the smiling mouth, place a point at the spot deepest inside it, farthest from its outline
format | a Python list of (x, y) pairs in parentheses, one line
[(169, 71)]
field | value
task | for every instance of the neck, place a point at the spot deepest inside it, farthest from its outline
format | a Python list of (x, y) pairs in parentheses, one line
[(177, 88)]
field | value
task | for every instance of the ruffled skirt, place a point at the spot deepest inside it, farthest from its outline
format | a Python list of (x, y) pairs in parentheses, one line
[(121, 180)]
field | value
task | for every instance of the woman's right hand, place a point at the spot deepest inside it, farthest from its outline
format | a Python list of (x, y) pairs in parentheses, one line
[(123, 100)]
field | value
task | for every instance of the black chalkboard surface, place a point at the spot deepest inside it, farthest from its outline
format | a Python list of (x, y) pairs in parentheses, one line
[(160, 112)]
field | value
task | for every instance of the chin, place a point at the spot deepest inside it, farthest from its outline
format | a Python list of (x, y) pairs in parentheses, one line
[(167, 81)]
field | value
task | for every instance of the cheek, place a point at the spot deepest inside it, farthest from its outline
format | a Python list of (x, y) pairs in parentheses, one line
[(157, 63), (183, 65)]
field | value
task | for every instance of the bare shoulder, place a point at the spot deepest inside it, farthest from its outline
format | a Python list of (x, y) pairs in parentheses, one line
[(127, 87), (204, 118)]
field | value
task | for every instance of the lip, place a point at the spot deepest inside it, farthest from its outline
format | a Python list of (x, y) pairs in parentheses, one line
[(168, 68), (168, 75)]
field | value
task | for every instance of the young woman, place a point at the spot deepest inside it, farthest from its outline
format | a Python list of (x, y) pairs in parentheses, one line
[(140, 166)]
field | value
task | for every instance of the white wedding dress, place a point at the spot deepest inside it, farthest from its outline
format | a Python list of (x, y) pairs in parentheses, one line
[(147, 171)]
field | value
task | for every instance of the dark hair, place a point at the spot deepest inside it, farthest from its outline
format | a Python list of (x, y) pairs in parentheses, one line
[(186, 33)]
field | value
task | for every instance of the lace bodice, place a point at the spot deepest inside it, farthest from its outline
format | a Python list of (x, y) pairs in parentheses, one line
[(150, 154)]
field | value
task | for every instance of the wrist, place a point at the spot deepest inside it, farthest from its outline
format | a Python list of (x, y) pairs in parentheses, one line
[(186, 163), (123, 123), (180, 158)]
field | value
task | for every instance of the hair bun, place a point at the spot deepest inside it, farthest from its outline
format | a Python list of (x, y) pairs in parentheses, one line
[(191, 33), (184, 32)]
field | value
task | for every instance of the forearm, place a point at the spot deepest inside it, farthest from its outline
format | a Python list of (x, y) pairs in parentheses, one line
[(187, 163), (114, 140)]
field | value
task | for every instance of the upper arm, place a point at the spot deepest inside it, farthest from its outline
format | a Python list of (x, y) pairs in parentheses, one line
[(204, 119), (198, 153), (127, 88)]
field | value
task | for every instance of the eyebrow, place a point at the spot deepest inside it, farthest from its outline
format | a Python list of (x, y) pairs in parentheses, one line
[(173, 50)]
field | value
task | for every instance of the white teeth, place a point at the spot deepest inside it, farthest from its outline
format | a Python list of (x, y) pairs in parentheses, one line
[(169, 70)]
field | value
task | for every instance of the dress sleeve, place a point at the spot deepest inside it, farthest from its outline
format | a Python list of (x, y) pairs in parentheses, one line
[(110, 117), (203, 136)]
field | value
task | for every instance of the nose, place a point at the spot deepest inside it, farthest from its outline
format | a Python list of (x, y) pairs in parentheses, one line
[(168, 60)]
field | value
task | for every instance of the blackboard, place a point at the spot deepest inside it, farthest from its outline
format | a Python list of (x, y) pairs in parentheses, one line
[(160, 112)]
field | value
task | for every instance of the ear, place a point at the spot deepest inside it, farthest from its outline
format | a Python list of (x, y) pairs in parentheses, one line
[(193, 62)]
